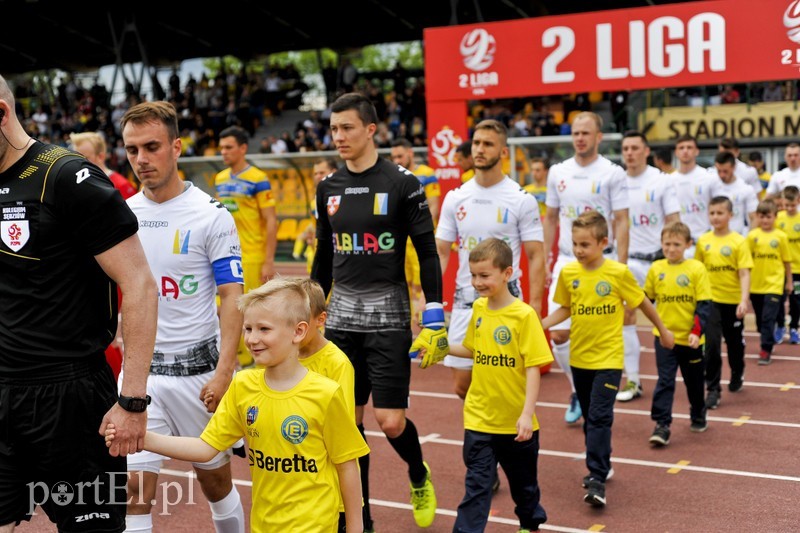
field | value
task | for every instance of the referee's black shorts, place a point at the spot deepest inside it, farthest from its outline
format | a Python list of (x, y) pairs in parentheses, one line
[(51, 453), (381, 362)]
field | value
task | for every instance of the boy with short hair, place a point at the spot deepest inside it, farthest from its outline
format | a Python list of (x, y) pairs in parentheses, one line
[(592, 291), (682, 294), (727, 258), (506, 340), (771, 276), (300, 434), (323, 357), (788, 221)]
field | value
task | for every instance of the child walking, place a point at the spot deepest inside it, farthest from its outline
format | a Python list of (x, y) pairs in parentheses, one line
[(727, 258), (771, 277), (593, 291), (508, 345), (682, 293)]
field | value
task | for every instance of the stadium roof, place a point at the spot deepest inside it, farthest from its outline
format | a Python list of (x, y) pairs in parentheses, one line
[(76, 36)]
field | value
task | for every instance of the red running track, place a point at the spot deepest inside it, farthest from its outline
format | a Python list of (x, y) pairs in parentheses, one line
[(743, 474)]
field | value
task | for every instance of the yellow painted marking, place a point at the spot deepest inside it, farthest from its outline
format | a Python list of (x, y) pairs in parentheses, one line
[(597, 527), (741, 421), (788, 386), (678, 467)]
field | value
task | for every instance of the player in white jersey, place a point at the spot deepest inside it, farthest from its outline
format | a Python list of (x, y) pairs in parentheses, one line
[(789, 175), (742, 197), (653, 203), (490, 205), (192, 246), (693, 187), (585, 182), (743, 171)]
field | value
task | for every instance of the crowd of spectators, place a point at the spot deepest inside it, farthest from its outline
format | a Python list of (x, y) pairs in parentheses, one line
[(250, 99)]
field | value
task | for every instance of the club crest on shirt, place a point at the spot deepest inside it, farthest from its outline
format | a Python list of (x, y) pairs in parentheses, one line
[(478, 323), (333, 204), (661, 277), (603, 288), (682, 280), (461, 213), (773, 243), (575, 284), (252, 414), (561, 186), (15, 233), (502, 335), (294, 429), (726, 251)]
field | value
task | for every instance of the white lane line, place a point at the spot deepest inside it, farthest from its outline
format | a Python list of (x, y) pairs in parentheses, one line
[(189, 474), (637, 462), (747, 383), (645, 349), (496, 519), (639, 412)]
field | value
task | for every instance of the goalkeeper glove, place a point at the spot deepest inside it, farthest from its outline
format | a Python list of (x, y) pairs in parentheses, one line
[(433, 337)]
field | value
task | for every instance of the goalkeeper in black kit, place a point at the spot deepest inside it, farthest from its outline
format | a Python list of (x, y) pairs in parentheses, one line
[(366, 212)]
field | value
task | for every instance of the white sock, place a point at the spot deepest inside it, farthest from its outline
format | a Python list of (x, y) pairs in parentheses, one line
[(139, 523), (632, 349), (228, 514), (561, 355)]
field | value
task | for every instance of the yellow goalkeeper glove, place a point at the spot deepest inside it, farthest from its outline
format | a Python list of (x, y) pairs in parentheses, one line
[(433, 337)]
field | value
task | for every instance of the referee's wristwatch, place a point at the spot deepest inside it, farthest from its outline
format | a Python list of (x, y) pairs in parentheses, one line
[(133, 404)]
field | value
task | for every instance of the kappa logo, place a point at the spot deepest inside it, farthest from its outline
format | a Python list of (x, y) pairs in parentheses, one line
[(478, 48), (333, 204), (15, 234)]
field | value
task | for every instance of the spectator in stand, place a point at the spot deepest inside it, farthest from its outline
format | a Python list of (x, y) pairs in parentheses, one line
[(730, 95), (772, 92)]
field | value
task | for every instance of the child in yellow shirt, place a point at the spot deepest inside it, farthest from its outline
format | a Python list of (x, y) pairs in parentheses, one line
[(592, 292), (302, 440), (727, 258), (682, 294), (508, 345), (771, 276), (788, 221)]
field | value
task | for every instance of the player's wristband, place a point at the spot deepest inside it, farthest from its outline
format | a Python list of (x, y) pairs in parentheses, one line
[(433, 316)]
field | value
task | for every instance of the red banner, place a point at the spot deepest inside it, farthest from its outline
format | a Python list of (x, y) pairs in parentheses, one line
[(696, 43)]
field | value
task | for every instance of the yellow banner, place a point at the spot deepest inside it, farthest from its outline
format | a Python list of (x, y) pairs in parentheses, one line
[(762, 121)]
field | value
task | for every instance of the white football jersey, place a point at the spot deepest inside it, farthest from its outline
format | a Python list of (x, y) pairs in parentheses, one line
[(472, 213), (182, 238), (747, 174), (573, 189), (782, 179), (652, 197), (694, 193), (744, 202)]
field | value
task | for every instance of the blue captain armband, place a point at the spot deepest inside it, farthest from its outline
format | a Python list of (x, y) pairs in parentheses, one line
[(228, 270)]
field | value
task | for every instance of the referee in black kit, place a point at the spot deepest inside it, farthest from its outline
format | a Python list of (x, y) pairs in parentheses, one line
[(67, 239)]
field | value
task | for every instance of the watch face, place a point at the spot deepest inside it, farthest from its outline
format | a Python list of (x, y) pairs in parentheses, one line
[(134, 405)]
